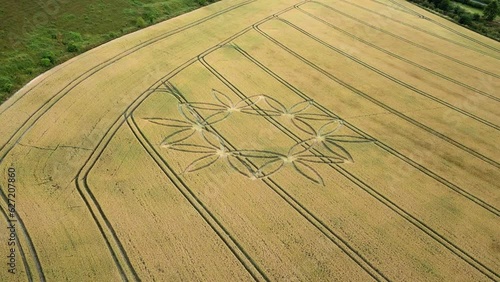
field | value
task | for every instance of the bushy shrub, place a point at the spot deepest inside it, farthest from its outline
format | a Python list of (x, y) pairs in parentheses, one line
[(151, 14), (73, 47), (465, 18), (491, 11), (45, 62), (74, 37), (443, 4), (6, 84), (49, 55)]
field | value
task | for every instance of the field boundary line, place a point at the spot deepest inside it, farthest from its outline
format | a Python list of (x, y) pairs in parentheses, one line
[(45, 107), (349, 87), (115, 247), (408, 10), (29, 242), (378, 196), (29, 275), (419, 167), (432, 97), (381, 104), (421, 30), (409, 61), (16, 97), (33, 118), (231, 243), (131, 49), (128, 113), (342, 244), (407, 40)]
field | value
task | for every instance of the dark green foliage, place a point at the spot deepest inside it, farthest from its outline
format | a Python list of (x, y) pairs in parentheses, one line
[(473, 21), (151, 14), (73, 37), (140, 22), (45, 62), (22, 63), (491, 10), (465, 18), (73, 47), (30, 45), (6, 84), (49, 55), (443, 5)]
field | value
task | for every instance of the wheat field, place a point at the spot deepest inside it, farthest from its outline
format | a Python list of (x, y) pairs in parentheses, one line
[(284, 140)]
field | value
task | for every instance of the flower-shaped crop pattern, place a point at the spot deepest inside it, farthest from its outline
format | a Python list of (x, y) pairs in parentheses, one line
[(325, 138), (300, 156), (193, 123), (321, 147), (215, 150), (226, 106)]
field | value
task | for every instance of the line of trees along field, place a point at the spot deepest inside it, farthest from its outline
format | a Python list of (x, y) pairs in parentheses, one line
[(484, 23)]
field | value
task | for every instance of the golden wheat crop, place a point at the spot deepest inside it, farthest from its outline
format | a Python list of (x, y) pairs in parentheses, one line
[(260, 140)]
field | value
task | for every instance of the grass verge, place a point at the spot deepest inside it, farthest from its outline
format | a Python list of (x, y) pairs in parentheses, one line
[(38, 35)]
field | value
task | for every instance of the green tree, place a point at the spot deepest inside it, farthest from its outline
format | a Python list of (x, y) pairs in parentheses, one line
[(465, 18), (491, 10), (444, 5)]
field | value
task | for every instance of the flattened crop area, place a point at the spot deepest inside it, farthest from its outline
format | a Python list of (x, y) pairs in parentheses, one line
[(260, 140)]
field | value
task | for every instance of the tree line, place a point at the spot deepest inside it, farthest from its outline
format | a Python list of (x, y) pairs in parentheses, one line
[(484, 24)]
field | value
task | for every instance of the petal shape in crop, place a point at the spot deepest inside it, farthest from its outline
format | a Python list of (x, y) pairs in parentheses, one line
[(216, 117), (258, 154), (300, 107), (330, 127), (304, 126), (300, 148), (169, 122), (308, 172), (177, 137), (207, 106), (269, 168), (201, 163), (240, 165), (248, 102), (213, 139), (274, 104), (312, 116), (223, 99), (338, 151), (191, 148), (190, 114)]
